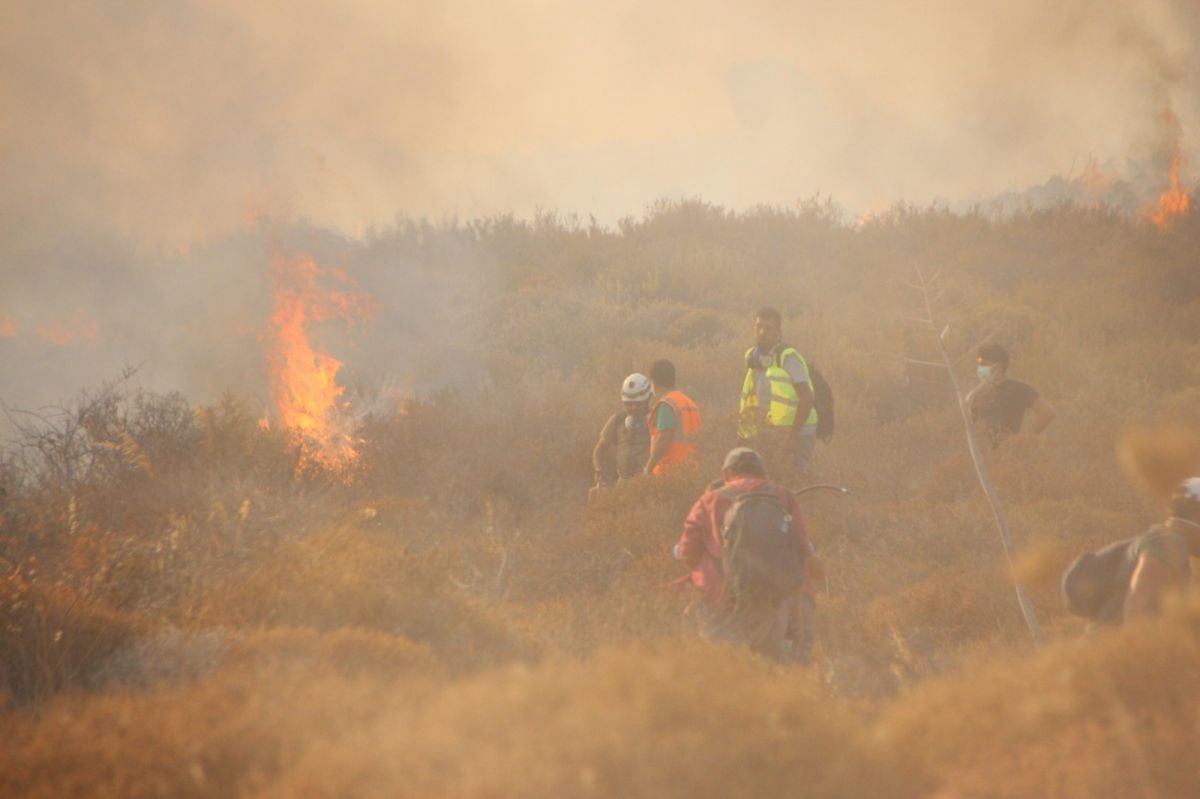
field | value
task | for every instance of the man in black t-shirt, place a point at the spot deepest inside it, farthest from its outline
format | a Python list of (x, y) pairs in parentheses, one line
[(1002, 405)]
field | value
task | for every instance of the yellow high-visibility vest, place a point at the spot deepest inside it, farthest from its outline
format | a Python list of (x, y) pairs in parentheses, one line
[(784, 399)]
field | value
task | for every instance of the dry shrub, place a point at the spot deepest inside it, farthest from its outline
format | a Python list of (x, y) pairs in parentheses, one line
[(675, 719), (1113, 716), (347, 652), (922, 620), (225, 736), (161, 656), (353, 578), (1159, 459), (694, 328), (481, 542), (637, 519), (51, 638)]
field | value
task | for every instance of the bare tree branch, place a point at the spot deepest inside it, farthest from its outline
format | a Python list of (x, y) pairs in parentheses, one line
[(981, 473)]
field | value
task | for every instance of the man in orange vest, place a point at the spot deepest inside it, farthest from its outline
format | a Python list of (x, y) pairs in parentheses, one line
[(674, 422)]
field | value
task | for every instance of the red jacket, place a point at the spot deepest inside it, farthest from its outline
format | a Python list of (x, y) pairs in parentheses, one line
[(700, 544)]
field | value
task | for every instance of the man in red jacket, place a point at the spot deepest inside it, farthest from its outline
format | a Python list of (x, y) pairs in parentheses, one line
[(765, 629)]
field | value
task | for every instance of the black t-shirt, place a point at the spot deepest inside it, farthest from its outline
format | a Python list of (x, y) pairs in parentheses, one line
[(1002, 407)]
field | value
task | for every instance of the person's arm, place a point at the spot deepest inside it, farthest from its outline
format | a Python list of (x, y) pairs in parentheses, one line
[(664, 426), (598, 454), (658, 448), (600, 451), (1151, 579), (1037, 417), (805, 398), (798, 371), (691, 543)]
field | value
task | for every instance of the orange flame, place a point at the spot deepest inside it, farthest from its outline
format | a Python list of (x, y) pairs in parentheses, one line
[(303, 380), (8, 327), (1173, 202)]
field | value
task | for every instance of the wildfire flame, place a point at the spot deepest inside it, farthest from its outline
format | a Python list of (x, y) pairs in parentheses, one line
[(304, 385), (1174, 201)]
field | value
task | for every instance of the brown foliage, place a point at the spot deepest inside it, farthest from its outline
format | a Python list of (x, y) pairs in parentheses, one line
[(52, 638), (1112, 716), (347, 578), (1159, 459), (673, 720), (454, 622)]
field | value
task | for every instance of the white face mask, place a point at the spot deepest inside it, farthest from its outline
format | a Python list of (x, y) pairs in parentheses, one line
[(985, 372), (634, 422)]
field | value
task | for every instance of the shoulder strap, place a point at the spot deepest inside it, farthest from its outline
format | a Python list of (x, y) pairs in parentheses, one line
[(728, 492), (782, 349)]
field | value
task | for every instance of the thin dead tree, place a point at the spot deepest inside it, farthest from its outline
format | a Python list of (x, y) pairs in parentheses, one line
[(929, 298)]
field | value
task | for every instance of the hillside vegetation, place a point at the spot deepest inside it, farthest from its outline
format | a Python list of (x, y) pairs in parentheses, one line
[(184, 613)]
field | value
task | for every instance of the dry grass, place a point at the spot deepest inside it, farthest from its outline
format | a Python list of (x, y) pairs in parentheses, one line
[(184, 616), (53, 639), (1114, 716)]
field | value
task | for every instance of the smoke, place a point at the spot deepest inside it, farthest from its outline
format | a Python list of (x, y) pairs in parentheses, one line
[(143, 142), (175, 121)]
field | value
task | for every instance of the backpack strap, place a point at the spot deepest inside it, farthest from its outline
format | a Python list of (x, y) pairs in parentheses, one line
[(727, 492)]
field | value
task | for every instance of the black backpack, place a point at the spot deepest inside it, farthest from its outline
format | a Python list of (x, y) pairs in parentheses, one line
[(1095, 584), (823, 402), (761, 558)]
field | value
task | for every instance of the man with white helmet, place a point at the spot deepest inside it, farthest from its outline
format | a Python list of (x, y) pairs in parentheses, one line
[(624, 444)]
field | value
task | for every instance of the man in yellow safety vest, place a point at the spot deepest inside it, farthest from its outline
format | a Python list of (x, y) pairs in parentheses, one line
[(777, 415)]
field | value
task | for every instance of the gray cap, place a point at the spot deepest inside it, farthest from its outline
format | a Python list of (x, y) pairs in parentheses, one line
[(744, 460)]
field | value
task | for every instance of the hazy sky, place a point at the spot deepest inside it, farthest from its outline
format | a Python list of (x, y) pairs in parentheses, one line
[(142, 140), (170, 121)]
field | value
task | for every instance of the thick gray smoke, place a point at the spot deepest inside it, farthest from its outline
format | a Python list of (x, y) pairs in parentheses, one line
[(143, 142)]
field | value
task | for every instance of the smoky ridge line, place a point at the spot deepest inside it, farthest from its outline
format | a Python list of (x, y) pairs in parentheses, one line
[(162, 150)]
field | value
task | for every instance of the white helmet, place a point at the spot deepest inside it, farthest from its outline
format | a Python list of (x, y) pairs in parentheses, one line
[(636, 388)]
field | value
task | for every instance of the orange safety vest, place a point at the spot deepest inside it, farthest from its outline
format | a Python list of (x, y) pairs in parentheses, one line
[(687, 427)]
